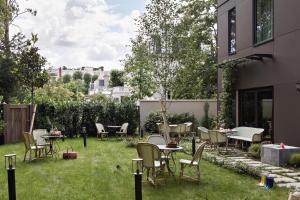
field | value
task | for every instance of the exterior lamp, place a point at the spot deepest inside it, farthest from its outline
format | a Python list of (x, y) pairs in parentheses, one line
[(298, 86), (84, 136), (10, 165), (137, 171)]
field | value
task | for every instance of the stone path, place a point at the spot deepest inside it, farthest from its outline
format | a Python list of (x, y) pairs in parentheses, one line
[(283, 177)]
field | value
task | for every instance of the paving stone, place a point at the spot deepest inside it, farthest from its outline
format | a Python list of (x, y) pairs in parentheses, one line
[(298, 178), (253, 165), (292, 174), (276, 175), (284, 180), (289, 185), (235, 157), (281, 170), (272, 168)]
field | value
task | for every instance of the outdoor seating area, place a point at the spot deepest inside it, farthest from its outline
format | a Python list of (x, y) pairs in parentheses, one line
[(104, 173), (113, 130)]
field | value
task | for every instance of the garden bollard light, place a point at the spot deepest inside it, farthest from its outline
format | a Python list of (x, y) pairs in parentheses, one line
[(142, 133), (137, 171), (10, 165), (193, 146), (84, 136)]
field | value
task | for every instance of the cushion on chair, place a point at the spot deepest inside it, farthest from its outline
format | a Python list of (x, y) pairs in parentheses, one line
[(157, 163), (188, 162)]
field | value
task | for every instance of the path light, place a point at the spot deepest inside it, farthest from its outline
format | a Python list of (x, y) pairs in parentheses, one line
[(137, 171), (193, 145), (84, 136), (10, 165)]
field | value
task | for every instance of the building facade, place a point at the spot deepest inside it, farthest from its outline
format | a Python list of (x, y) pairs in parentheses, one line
[(262, 39)]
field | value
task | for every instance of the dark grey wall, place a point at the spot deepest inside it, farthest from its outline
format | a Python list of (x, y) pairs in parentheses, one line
[(283, 72)]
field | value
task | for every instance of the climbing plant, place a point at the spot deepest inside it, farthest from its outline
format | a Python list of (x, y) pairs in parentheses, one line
[(228, 95)]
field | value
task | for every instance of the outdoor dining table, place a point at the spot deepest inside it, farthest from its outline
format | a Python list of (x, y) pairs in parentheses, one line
[(227, 132), (53, 146), (112, 129), (168, 152)]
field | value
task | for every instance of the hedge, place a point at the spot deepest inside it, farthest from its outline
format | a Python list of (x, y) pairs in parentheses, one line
[(72, 116)]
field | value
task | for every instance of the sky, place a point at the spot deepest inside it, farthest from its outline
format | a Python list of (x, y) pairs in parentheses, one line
[(76, 33)]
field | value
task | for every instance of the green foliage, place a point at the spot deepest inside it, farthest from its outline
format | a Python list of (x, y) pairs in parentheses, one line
[(139, 69), (173, 118), (228, 96), (30, 70), (116, 78), (2, 127), (207, 122), (77, 75), (76, 86), (254, 150), (72, 116), (94, 77), (87, 78), (294, 160), (8, 82), (67, 78), (98, 98)]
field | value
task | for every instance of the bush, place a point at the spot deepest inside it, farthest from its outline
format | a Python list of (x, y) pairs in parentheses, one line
[(295, 160), (207, 122), (2, 126), (72, 116), (153, 118), (254, 150)]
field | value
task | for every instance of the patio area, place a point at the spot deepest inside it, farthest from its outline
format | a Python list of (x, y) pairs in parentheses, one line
[(103, 171)]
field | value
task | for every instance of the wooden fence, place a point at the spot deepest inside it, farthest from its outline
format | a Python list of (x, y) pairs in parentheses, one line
[(17, 119)]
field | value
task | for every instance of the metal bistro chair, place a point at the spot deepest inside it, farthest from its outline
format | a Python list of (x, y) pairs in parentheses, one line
[(123, 130), (152, 161), (194, 163), (101, 131), (217, 138), (204, 135), (159, 140)]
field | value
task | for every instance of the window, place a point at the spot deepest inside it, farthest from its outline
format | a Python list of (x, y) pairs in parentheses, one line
[(263, 21), (101, 83), (232, 31)]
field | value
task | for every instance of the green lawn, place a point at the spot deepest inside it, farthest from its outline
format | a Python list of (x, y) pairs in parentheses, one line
[(94, 176)]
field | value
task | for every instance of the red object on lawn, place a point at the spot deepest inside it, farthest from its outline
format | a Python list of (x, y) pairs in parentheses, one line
[(70, 154)]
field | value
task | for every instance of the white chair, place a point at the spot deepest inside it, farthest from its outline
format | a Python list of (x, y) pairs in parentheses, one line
[(38, 137), (101, 131), (194, 163), (159, 140), (123, 130), (204, 135)]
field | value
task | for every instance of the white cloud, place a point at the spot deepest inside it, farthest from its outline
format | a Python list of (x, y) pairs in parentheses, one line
[(79, 32)]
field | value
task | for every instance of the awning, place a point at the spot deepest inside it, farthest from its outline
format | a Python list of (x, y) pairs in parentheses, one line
[(236, 61)]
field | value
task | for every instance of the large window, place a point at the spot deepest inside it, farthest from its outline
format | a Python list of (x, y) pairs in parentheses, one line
[(263, 20), (232, 31)]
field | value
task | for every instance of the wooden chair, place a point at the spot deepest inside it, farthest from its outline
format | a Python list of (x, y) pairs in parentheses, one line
[(123, 130), (101, 131), (194, 163), (31, 146), (152, 161)]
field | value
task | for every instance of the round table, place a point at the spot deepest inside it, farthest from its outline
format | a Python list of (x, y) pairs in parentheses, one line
[(52, 138), (112, 129), (168, 151)]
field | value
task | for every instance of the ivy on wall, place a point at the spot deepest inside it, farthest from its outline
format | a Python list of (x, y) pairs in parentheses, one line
[(228, 95)]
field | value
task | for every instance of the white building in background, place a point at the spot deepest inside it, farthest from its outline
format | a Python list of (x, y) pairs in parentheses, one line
[(57, 73), (101, 84)]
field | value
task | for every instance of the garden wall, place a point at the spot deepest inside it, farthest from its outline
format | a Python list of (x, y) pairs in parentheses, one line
[(195, 107)]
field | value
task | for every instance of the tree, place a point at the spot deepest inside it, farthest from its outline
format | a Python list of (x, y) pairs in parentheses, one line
[(116, 78), (158, 29), (139, 69), (67, 78), (197, 52), (94, 77), (77, 75), (31, 72), (87, 78)]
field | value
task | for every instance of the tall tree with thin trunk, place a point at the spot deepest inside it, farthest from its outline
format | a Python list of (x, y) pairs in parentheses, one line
[(158, 28)]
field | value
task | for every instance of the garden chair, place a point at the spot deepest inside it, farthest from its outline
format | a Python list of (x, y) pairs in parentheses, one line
[(152, 161), (101, 131), (158, 140), (30, 146), (217, 138), (123, 130), (38, 137), (178, 132), (194, 163), (188, 128), (204, 135)]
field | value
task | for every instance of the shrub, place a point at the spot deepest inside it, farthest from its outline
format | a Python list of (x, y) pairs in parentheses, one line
[(206, 122), (254, 150), (153, 118), (2, 126), (295, 160), (72, 116)]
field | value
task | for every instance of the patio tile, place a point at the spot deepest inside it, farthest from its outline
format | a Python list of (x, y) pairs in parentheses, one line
[(272, 168), (276, 175), (292, 174), (281, 170), (289, 185), (284, 180)]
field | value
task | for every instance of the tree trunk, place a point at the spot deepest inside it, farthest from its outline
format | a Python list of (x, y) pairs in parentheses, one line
[(165, 120), (6, 31), (32, 95)]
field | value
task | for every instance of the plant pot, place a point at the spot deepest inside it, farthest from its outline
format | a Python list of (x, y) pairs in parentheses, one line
[(1, 139)]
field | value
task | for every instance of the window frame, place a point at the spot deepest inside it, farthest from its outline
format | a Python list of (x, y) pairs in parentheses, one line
[(229, 32), (255, 43)]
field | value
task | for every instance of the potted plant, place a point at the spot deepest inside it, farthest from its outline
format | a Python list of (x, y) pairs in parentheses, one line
[(2, 127)]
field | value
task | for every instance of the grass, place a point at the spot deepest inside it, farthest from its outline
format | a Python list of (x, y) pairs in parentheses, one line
[(94, 175)]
